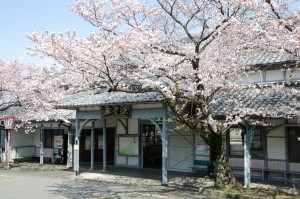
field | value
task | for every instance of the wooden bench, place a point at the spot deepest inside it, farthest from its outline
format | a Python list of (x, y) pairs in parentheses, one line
[(200, 165), (252, 169), (152, 159), (23, 159)]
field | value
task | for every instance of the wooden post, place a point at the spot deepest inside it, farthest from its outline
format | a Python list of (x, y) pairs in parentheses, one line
[(41, 145), (92, 145), (8, 149), (104, 145)]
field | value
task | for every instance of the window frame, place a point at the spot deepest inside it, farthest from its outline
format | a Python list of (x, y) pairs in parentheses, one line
[(293, 148), (258, 134), (49, 134)]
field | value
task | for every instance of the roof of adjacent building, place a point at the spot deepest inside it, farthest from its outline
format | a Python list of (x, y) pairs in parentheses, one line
[(22, 114), (266, 102), (9, 105), (266, 58)]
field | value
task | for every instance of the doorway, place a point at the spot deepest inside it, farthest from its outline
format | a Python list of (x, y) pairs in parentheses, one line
[(85, 143), (152, 146)]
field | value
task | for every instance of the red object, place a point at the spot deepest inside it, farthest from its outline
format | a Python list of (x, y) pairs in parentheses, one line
[(8, 148), (9, 122), (250, 163)]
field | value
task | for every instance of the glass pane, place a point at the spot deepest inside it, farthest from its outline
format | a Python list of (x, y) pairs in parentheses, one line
[(87, 143), (236, 141), (48, 143)]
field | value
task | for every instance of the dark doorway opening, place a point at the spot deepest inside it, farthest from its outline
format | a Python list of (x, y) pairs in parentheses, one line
[(152, 147), (85, 145)]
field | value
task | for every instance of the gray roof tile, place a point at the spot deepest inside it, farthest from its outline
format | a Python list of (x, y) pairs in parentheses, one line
[(94, 98), (268, 102), (268, 58)]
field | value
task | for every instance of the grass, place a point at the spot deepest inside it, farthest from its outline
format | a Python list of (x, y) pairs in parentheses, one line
[(253, 192)]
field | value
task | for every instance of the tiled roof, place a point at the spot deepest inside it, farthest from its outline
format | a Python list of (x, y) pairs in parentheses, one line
[(267, 102), (94, 98), (57, 114), (268, 58), (10, 106)]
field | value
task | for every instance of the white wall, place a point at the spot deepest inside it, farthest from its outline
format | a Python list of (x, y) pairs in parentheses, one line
[(36, 138), (20, 138), (274, 75), (255, 77), (276, 144), (180, 149)]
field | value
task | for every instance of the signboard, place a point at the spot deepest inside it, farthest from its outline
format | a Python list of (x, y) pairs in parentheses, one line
[(76, 147), (119, 111), (201, 147), (9, 122), (128, 145)]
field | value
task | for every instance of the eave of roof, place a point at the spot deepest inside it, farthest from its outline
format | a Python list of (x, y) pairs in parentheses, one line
[(91, 99)]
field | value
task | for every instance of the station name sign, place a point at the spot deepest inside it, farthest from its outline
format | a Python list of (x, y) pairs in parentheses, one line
[(116, 111)]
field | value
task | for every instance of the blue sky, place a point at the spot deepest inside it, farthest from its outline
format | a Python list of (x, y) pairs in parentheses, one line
[(20, 16)]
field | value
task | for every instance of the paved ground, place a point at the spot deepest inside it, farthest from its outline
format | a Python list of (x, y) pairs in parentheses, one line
[(29, 180), (27, 184)]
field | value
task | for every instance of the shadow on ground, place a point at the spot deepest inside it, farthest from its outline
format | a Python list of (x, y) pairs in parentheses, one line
[(79, 189)]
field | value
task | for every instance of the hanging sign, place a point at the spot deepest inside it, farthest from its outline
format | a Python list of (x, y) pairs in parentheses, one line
[(116, 111), (9, 122)]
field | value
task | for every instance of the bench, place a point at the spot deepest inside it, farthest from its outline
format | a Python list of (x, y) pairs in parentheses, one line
[(252, 169), (201, 165), (152, 159), (23, 159), (288, 176)]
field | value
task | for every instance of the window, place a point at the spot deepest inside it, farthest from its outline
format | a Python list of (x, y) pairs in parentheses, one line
[(236, 147), (294, 144), (49, 136), (257, 150), (236, 143), (151, 137)]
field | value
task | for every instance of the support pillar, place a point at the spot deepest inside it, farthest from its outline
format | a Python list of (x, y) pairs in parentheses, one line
[(248, 137), (164, 137), (70, 149), (8, 149), (92, 146), (104, 145), (246, 162), (76, 147), (5, 154), (42, 145)]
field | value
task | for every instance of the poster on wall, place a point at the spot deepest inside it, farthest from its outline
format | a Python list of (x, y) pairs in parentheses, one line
[(58, 141), (128, 145), (201, 147)]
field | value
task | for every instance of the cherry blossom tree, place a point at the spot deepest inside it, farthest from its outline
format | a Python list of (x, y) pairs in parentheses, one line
[(189, 51), (30, 91)]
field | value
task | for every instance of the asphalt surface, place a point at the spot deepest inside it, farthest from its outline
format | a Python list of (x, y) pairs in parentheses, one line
[(21, 184)]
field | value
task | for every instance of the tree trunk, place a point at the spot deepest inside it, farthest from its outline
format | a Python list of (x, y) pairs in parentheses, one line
[(219, 158)]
